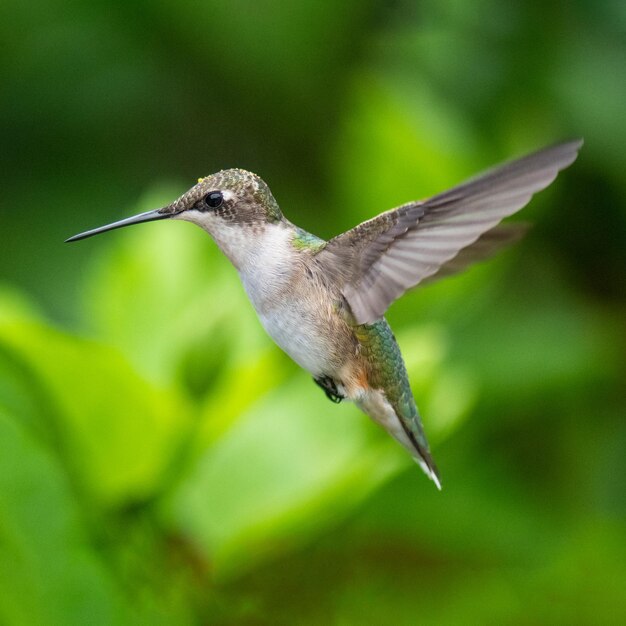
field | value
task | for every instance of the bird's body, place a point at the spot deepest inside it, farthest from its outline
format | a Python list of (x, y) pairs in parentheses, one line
[(304, 313), (323, 302)]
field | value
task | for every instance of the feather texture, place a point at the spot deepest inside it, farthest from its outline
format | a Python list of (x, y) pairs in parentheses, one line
[(380, 259)]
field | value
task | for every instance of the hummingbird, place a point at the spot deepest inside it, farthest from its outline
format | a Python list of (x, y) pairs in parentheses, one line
[(323, 301)]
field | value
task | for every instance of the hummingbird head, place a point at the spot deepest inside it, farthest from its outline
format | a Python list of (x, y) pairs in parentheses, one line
[(225, 204), (229, 198)]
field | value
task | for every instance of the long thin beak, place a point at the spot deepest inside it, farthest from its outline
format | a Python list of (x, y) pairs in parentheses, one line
[(148, 216)]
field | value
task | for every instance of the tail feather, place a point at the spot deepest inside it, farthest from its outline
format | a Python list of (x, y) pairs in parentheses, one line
[(405, 430), (429, 468), (421, 452)]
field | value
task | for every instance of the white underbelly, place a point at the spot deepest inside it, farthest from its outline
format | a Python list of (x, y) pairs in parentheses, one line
[(300, 333), (291, 309)]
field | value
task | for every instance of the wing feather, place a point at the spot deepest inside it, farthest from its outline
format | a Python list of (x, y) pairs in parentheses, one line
[(378, 260)]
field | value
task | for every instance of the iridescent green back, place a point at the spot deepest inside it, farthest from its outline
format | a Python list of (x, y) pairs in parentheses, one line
[(388, 372)]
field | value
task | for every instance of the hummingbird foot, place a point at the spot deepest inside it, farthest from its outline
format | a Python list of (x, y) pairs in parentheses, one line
[(330, 388)]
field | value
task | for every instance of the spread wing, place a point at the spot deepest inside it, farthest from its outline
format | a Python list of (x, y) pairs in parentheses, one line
[(486, 246), (378, 260)]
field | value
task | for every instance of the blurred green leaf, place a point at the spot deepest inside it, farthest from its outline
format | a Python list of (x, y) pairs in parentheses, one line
[(291, 465), (398, 143), (177, 457), (119, 430), (49, 574)]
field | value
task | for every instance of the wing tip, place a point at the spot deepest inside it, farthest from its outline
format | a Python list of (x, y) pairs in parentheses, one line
[(569, 150), (576, 143)]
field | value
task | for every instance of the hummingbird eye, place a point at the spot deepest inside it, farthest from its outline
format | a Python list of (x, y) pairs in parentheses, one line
[(214, 199)]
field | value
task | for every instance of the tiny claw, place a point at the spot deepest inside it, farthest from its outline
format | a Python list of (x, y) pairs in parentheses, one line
[(330, 388)]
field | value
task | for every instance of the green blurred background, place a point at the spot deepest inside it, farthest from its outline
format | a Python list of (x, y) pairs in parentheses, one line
[(162, 462)]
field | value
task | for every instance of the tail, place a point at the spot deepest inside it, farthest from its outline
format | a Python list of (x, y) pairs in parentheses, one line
[(414, 431), (404, 426), (421, 452), (425, 461), (386, 395)]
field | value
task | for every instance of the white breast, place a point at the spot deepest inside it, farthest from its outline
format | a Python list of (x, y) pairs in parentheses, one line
[(283, 300), (298, 333)]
